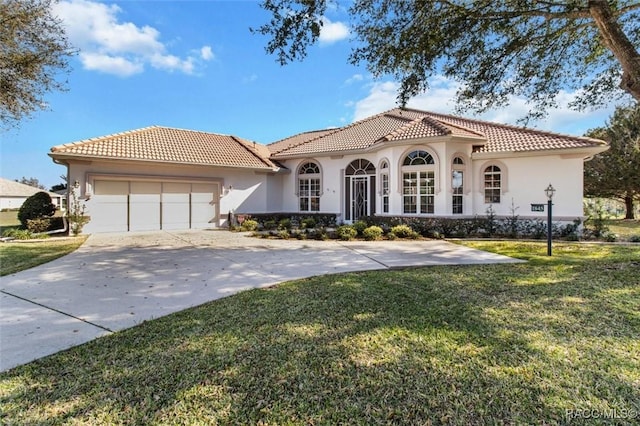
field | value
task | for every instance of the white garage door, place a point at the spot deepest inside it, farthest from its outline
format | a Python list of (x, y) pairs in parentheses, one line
[(147, 206), (111, 206), (203, 198), (175, 205)]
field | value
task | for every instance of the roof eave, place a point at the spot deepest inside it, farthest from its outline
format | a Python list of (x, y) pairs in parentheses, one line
[(577, 152), (78, 157)]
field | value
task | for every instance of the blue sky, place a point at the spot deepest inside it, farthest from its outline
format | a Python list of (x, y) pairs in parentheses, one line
[(196, 65)]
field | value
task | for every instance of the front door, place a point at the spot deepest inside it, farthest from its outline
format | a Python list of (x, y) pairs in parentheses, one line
[(359, 190), (359, 197)]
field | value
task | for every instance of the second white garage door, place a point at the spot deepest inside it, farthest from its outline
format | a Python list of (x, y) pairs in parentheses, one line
[(119, 206)]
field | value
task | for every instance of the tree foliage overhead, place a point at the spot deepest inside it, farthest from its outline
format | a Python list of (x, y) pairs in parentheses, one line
[(33, 52), (615, 173), (495, 48)]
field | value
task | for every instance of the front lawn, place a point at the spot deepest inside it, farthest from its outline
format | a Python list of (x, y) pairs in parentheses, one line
[(624, 228), (18, 256), (546, 342)]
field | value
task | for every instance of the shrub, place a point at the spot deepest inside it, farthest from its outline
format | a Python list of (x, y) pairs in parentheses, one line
[(22, 234), (76, 214), (269, 225), (249, 225), (634, 238), (372, 233), (37, 206), (403, 231), (319, 234), (609, 237), (491, 225), (284, 224), (283, 234), (596, 220), (346, 232), (359, 226), (308, 223), (38, 225)]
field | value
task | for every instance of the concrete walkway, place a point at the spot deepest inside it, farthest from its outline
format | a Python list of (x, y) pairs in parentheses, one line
[(115, 281)]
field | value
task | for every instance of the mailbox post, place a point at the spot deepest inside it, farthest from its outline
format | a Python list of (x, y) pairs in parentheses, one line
[(549, 192)]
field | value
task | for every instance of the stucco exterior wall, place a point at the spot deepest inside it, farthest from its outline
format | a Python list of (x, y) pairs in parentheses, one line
[(240, 189), (524, 179)]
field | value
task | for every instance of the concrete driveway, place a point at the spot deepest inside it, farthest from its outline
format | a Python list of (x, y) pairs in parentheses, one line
[(115, 281)]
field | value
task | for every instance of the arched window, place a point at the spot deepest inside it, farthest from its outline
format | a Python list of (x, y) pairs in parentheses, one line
[(384, 186), (309, 184), (360, 167), (418, 183), (457, 185), (417, 158), (492, 184)]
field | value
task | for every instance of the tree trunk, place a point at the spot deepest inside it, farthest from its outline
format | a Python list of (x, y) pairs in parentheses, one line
[(628, 205), (617, 41)]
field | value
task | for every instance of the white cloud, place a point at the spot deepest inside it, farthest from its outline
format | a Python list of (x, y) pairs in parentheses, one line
[(331, 32), (121, 48), (354, 78), (109, 64), (206, 53), (250, 79), (382, 96)]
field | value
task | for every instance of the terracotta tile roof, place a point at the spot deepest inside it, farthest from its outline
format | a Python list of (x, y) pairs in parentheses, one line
[(171, 145), (409, 124), (506, 138), (293, 141)]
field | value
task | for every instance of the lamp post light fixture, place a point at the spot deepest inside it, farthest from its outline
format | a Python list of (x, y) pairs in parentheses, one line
[(549, 192)]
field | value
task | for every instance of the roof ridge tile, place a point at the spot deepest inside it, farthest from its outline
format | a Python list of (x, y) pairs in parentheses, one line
[(101, 138), (511, 127)]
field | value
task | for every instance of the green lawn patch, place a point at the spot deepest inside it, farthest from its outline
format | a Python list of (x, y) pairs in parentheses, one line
[(9, 219), (529, 343), (624, 228), (18, 256)]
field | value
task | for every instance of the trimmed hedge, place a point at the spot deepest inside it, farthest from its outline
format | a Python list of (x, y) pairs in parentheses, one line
[(484, 227), (292, 220), (490, 226)]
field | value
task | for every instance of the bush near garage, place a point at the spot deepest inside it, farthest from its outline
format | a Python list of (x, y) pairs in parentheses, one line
[(37, 206)]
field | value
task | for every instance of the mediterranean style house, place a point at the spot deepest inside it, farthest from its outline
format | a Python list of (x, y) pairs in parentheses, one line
[(402, 162)]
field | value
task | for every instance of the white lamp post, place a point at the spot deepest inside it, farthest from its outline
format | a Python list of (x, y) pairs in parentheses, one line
[(549, 192)]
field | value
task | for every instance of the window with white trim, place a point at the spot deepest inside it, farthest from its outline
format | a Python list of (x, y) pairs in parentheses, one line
[(309, 187), (457, 185), (418, 183), (492, 184), (384, 186)]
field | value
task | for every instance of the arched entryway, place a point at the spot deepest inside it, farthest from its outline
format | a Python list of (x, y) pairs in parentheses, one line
[(360, 189)]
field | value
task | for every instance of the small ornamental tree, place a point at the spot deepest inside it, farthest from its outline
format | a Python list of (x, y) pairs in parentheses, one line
[(76, 214), (37, 206)]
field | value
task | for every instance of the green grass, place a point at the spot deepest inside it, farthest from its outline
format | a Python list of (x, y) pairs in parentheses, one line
[(18, 256), (493, 344), (624, 228), (9, 219)]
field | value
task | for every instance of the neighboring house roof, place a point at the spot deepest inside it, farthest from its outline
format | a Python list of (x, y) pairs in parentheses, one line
[(406, 124), (164, 144), (11, 188)]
